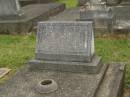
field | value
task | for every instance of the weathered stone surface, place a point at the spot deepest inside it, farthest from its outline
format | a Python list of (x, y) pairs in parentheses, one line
[(121, 22), (65, 41), (26, 2), (95, 1), (9, 8), (100, 14), (82, 2), (67, 15), (122, 18), (66, 46), (92, 68), (69, 84), (113, 82), (108, 83), (32, 14), (113, 2)]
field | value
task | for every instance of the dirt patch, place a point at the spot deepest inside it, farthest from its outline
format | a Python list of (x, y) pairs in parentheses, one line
[(127, 93)]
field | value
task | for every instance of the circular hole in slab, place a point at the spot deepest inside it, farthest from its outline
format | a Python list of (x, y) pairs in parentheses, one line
[(46, 86), (46, 82)]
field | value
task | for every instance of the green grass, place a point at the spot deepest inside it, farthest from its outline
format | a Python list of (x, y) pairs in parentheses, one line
[(115, 50), (69, 3), (17, 50)]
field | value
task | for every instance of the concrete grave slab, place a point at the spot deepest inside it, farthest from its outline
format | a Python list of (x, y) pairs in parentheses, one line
[(107, 83), (69, 84), (27, 2), (67, 15), (32, 14), (113, 82)]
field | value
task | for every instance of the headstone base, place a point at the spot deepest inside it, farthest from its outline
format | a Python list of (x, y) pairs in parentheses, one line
[(92, 67)]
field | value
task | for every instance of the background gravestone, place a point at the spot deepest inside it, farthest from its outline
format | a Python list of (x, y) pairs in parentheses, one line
[(113, 2), (66, 46), (82, 2), (27, 2), (16, 20), (9, 8), (95, 1), (98, 12)]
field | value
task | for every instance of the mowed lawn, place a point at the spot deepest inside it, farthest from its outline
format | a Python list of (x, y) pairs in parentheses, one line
[(69, 3), (15, 51)]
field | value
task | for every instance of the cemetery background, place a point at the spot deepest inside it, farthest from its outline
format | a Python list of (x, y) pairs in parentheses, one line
[(19, 49)]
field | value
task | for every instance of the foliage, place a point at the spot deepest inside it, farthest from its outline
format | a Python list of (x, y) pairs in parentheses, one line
[(69, 3)]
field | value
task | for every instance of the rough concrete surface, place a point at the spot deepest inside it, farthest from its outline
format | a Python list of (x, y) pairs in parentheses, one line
[(69, 84), (108, 83), (32, 14)]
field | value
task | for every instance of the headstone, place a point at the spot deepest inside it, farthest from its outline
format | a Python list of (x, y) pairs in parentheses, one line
[(82, 2), (95, 1), (66, 39), (66, 45), (9, 8), (100, 14), (113, 2)]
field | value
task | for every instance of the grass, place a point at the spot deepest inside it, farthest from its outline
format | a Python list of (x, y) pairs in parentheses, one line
[(17, 50), (115, 50), (69, 3)]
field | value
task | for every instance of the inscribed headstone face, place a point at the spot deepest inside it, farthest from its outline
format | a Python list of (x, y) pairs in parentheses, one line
[(63, 39)]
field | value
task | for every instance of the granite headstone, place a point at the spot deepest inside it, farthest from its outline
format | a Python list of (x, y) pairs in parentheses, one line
[(100, 14), (113, 2), (56, 39), (66, 45)]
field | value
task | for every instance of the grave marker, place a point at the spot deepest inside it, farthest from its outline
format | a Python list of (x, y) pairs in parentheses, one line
[(100, 14), (66, 39), (64, 43)]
